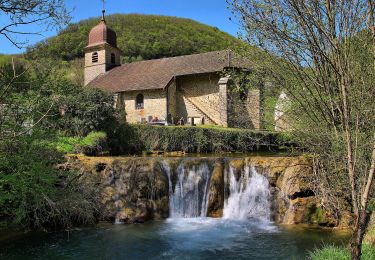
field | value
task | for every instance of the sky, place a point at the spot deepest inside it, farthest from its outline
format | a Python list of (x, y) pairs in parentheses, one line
[(210, 12)]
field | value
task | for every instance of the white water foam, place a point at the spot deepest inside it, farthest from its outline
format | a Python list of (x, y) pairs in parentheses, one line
[(248, 196), (189, 199)]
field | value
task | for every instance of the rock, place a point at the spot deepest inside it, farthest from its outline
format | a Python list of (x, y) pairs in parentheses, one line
[(216, 191)]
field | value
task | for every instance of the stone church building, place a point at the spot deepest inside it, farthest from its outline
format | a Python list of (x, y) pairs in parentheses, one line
[(193, 88)]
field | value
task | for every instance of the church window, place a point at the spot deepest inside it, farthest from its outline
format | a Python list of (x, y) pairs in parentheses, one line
[(113, 58), (95, 57), (139, 102)]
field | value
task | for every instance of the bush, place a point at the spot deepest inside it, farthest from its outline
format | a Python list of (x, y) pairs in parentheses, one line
[(334, 253), (86, 110), (138, 138), (95, 143), (65, 144), (36, 194)]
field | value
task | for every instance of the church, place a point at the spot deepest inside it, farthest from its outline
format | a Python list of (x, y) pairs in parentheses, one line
[(192, 89)]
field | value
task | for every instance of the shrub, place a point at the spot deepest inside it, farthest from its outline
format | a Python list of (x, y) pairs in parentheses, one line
[(65, 144), (35, 194), (95, 143), (138, 138)]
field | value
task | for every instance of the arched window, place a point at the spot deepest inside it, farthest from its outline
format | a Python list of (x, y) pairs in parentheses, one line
[(113, 58), (95, 57), (139, 102)]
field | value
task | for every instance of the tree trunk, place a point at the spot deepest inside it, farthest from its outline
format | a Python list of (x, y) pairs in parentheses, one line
[(363, 216), (359, 232)]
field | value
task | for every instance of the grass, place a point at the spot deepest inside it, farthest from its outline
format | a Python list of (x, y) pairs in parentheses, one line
[(69, 145), (331, 252)]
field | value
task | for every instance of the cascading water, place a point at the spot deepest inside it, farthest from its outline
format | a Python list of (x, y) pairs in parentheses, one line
[(248, 195), (188, 198), (189, 191)]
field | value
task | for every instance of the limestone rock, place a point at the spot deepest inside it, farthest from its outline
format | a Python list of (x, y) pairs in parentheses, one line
[(216, 191)]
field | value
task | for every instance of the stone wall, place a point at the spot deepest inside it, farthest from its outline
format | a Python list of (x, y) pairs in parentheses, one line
[(155, 105), (172, 99), (199, 96), (244, 109), (93, 70), (254, 108), (203, 97)]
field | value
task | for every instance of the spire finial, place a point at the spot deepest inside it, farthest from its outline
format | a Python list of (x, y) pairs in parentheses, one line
[(103, 11)]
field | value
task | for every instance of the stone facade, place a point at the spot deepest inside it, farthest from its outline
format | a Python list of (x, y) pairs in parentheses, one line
[(198, 99), (155, 105), (244, 109), (194, 98)]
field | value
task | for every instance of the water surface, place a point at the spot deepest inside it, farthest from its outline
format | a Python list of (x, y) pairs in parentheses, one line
[(186, 238)]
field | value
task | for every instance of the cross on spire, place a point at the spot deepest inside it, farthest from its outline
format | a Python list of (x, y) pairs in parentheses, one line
[(103, 10)]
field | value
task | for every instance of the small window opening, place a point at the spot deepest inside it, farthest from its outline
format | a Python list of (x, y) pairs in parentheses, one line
[(95, 57), (113, 58), (139, 102)]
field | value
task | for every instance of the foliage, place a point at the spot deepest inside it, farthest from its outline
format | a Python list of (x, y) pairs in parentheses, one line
[(94, 143), (41, 90), (65, 144), (139, 37), (34, 193), (190, 139), (84, 111), (333, 253), (5, 59)]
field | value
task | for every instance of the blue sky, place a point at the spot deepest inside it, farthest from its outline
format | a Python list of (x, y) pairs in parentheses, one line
[(211, 12)]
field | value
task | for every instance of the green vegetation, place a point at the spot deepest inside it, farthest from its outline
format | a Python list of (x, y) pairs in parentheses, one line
[(334, 253), (95, 143), (139, 37), (35, 194), (138, 138), (43, 116)]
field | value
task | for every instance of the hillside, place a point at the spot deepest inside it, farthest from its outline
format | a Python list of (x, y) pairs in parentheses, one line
[(140, 37)]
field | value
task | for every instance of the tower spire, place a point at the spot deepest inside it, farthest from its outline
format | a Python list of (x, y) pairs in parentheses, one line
[(103, 11)]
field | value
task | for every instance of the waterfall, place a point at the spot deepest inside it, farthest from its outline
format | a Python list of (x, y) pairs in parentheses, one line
[(248, 195), (188, 198), (189, 186)]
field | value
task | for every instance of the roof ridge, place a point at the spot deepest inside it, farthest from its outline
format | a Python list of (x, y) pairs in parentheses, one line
[(177, 57)]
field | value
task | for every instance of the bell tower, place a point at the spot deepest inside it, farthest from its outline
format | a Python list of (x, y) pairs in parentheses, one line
[(101, 54)]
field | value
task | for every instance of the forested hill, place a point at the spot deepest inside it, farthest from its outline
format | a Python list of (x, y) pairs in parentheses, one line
[(139, 37)]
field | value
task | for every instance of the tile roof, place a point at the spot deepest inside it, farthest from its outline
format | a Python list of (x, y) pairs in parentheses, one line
[(102, 34), (156, 74)]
